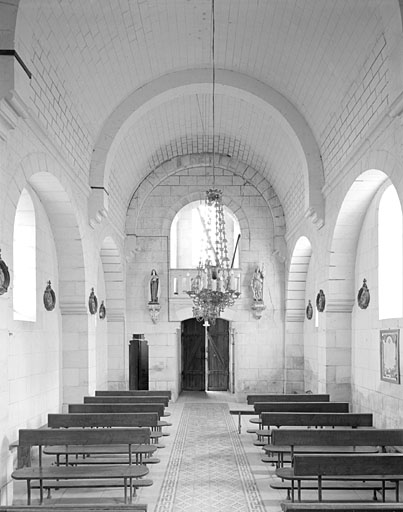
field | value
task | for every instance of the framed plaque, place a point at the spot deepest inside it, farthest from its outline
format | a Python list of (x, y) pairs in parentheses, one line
[(389, 348)]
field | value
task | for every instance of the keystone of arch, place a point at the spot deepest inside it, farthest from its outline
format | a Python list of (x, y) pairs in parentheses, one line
[(169, 86)]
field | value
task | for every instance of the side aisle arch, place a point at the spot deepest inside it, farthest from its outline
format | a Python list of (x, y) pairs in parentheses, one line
[(46, 178), (295, 315), (335, 364)]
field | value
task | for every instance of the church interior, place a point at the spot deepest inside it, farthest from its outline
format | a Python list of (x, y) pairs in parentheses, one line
[(201, 197)]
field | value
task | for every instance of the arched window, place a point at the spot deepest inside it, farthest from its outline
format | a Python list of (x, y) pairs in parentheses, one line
[(24, 260), (390, 255), (188, 236)]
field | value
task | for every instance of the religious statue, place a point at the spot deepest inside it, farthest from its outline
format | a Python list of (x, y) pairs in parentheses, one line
[(257, 285), (154, 285)]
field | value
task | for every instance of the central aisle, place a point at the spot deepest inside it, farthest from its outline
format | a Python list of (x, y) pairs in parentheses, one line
[(208, 469)]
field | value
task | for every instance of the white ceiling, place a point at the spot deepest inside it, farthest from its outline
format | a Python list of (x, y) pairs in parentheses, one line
[(309, 51)]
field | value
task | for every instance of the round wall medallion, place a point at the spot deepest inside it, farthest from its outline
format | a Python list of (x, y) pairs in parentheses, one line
[(92, 302), (309, 310), (4, 277), (49, 298), (363, 296), (320, 301), (102, 311)]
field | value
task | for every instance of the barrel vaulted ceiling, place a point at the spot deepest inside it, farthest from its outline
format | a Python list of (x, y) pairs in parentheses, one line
[(139, 74)]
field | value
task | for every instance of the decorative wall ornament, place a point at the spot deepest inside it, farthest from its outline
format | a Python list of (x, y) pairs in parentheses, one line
[(49, 298), (102, 310), (4, 276), (309, 310), (320, 301), (92, 302), (363, 296), (154, 310), (389, 355)]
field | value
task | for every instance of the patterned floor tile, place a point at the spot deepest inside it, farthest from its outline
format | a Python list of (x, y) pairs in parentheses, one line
[(208, 469)]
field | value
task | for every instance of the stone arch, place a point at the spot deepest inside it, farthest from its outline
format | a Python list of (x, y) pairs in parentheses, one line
[(167, 86), (341, 293), (297, 274), (248, 174), (50, 184), (47, 179)]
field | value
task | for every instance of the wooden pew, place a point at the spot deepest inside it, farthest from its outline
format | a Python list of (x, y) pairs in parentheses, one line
[(347, 507), (108, 408), (78, 476), (127, 400), (141, 419), (142, 452), (322, 441), (305, 419), (301, 407), (316, 419), (260, 407), (113, 507), (252, 399), (381, 467), (117, 408), (134, 392)]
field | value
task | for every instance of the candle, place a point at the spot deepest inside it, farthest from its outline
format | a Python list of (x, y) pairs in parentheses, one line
[(214, 285), (175, 286)]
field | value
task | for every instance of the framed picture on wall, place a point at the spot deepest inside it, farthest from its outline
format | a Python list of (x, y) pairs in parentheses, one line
[(389, 344)]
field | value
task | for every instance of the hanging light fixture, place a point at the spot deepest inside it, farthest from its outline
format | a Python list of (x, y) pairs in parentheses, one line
[(214, 289)]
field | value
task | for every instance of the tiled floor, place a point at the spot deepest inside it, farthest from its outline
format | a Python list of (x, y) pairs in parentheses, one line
[(200, 489)]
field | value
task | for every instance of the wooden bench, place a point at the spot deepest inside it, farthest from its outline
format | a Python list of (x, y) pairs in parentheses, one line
[(134, 392), (252, 399), (141, 419), (260, 407), (128, 475), (142, 452), (326, 440), (381, 467), (347, 507), (314, 419), (103, 408), (114, 408), (127, 400), (113, 507)]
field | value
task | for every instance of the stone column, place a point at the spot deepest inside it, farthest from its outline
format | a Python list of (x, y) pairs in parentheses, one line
[(334, 358)]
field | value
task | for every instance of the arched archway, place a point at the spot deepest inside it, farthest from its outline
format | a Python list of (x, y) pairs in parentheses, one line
[(335, 362), (117, 353), (294, 316)]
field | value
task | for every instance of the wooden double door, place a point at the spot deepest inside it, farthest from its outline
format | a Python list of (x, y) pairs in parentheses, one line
[(205, 356)]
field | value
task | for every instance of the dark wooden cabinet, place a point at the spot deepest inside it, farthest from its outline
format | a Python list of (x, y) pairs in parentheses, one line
[(138, 362)]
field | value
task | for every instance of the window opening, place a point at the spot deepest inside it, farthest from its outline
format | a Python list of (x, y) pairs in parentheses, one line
[(188, 235), (390, 255), (24, 260)]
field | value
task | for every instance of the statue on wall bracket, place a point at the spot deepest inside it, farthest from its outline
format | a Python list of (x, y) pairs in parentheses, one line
[(256, 284), (154, 306)]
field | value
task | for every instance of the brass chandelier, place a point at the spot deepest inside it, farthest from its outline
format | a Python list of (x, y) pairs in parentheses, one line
[(213, 289)]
